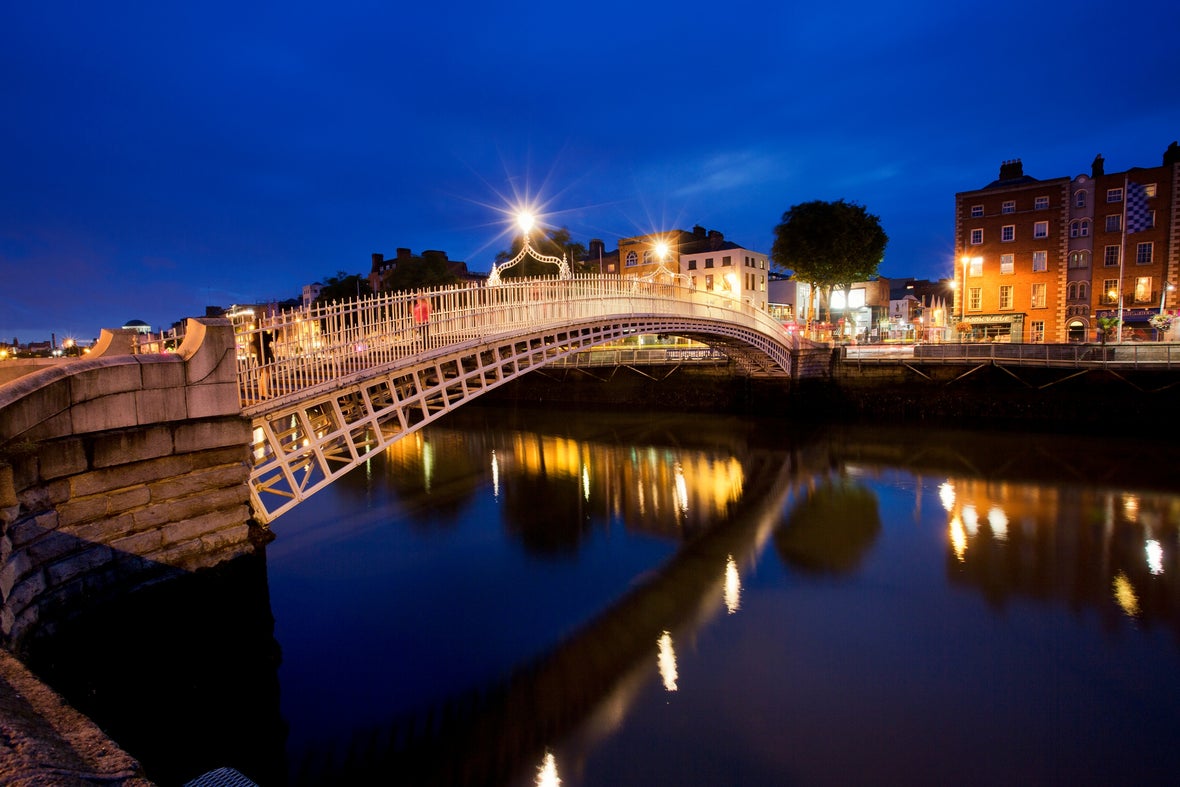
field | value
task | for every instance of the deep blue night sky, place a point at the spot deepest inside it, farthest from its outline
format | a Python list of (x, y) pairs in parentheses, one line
[(158, 159)]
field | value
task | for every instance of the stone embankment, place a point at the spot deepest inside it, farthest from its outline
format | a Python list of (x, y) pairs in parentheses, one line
[(116, 471)]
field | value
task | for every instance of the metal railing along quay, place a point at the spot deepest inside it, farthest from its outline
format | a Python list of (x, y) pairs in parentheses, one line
[(1129, 354)]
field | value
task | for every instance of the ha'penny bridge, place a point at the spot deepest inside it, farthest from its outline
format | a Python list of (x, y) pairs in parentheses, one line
[(326, 387)]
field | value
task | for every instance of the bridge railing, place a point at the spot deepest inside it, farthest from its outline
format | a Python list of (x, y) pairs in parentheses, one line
[(1155, 355), (288, 351)]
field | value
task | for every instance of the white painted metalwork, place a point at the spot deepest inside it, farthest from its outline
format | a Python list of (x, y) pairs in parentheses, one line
[(327, 386)]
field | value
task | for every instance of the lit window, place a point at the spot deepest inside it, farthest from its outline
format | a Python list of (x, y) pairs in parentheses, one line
[(976, 266), (1006, 263), (1149, 190), (1038, 295), (1143, 289), (1110, 290), (1040, 261), (1008, 233), (1041, 229)]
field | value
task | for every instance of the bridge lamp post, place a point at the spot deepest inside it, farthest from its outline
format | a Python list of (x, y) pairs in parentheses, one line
[(525, 221)]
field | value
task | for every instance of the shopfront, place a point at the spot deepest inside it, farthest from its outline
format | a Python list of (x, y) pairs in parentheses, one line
[(994, 328)]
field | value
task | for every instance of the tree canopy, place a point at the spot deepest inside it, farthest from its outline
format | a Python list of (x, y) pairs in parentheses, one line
[(829, 244), (552, 243), (343, 286), (430, 269)]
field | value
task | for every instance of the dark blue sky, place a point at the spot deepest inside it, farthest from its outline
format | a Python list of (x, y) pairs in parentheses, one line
[(156, 159)]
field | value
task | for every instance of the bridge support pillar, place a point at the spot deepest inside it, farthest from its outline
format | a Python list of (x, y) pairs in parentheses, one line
[(117, 472)]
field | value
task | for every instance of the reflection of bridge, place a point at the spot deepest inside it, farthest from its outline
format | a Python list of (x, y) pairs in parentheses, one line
[(327, 386)]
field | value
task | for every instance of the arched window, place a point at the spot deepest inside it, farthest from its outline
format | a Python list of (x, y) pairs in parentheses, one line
[(632, 259), (1084, 290), (1085, 227), (647, 255), (1079, 198), (1071, 291)]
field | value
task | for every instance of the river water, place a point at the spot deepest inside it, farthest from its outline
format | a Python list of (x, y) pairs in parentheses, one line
[(511, 597)]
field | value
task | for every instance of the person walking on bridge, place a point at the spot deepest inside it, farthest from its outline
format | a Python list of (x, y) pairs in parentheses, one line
[(422, 319)]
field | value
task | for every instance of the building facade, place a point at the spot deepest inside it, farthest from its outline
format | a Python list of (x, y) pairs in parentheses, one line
[(1045, 260), (702, 259)]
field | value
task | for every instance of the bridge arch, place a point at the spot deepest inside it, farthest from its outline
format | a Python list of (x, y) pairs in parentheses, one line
[(373, 378)]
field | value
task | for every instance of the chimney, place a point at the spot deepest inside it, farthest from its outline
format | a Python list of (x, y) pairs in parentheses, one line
[(698, 232), (1098, 167), (597, 249), (403, 255), (1172, 155), (1010, 170), (378, 259)]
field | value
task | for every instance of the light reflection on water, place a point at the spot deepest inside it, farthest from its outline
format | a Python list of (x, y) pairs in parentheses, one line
[(593, 599)]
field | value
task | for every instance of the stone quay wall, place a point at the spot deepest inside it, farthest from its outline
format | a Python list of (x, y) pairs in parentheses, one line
[(119, 470)]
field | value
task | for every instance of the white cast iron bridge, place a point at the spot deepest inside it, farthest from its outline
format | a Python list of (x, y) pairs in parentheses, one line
[(328, 385)]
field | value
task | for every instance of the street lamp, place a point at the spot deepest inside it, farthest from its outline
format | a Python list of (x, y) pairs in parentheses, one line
[(1163, 292), (525, 221)]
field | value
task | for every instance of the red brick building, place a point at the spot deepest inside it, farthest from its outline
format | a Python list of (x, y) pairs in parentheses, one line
[(1042, 260)]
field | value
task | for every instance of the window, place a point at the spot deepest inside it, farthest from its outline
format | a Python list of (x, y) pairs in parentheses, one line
[(1079, 228), (1079, 259), (1038, 295), (648, 256), (1084, 290), (1008, 233), (1114, 195), (1110, 290), (709, 282), (974, 298), (1005, 296), (1079, 199), (1111, 257), (976, 266), (1149, 190), (976, 211), (1071, 291), (1114, 223), (1006, 264), (709, 264), (1142, 289), (1040, 261), (726, 261), (1143, 253), (692, 265), (1041, 203), (632, 259), (1009, 206), (976, 237), (1041, 229), (1036, 332)]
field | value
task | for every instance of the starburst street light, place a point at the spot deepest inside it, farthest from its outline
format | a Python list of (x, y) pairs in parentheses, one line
[(662, 251), (525, 221)]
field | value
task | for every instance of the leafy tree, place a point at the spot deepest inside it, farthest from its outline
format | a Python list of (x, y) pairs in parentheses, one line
[(430, 269), (829, 244), (551, 243), (343, 286)]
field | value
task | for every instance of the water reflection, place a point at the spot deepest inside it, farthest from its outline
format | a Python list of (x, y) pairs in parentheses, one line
[(831, 528), (433, 570)]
